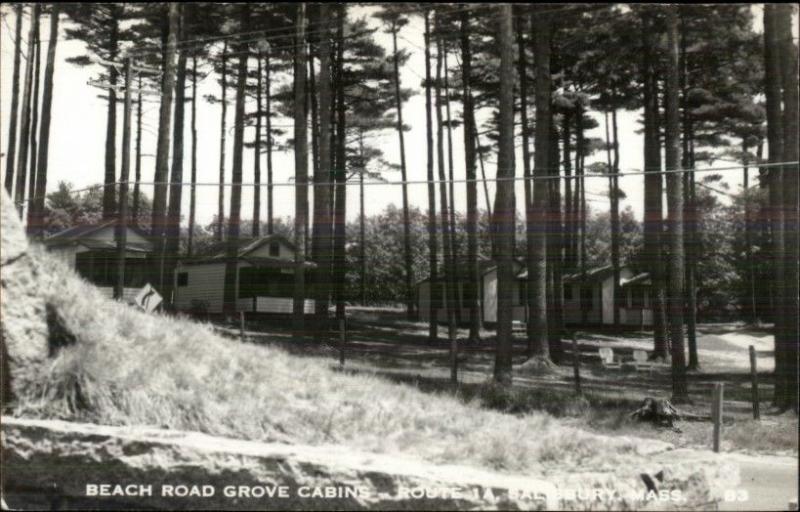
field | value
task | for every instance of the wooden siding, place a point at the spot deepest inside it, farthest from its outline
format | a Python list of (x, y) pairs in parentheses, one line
[(205, 286)]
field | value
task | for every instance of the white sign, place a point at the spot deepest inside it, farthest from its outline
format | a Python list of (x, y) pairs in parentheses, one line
[(148, 298)]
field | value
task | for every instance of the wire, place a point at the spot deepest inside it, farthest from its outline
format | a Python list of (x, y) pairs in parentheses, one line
[(477, 180)]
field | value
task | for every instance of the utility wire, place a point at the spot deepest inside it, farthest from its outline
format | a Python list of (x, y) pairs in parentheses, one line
[(477, 180)]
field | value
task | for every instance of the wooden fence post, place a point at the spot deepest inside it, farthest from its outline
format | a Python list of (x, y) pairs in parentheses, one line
[(342, 340), (576, 364), (754, 384), (716, 414), (241, 326)]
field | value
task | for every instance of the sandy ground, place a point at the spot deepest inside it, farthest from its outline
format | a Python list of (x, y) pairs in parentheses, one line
[(770, 483)]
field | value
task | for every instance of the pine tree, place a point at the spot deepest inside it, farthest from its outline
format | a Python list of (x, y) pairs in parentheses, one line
[(775, 143), (100, 27), (537, 212), (504, 207), (653, 223), (791, 256), (25, 120), (13, 121), (675, 207), (162, 145), (473, 285), (393, 17), (300, 171), (36, 220), (435, 292), (322, 242)]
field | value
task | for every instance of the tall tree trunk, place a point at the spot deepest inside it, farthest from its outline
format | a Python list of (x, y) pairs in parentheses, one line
[(223, 132), (44, 133), (653, 183), (234, 217), (690, 215), (268, 87), (24, 138), (362, 251), (109, 190), (173, 230), (162, 145), (748, 233), (11, 153), (407, 258), (675, 207), (37, 70), (256, 228), (537, 212), (615, 224), (193, 189), (451, 187), (433, 258), (569, 221), (483, 170), (300, 171), (577, 201), (311, 97), (121, 228), (447, 242), (138, 163), (791, 256), (775, 143), (340, 173), (473, 282), (580, 210), (322, 243), (504, 205), (522, 73), (555, 324)]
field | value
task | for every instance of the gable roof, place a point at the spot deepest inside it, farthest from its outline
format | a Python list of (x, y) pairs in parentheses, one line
[(595, 274), (218, 250), (642, 279), (81, 234)]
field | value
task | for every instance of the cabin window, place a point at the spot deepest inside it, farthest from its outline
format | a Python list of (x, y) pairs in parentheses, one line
[(274, 249), (568, 292), (183, 279)]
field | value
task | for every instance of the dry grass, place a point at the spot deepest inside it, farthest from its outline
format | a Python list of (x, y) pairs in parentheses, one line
[(130, 368)]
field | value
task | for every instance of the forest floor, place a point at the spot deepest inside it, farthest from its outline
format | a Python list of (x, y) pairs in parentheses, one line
[(381, 342)]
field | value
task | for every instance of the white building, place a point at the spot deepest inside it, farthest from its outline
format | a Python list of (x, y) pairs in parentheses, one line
[(593, 292), (264, 281)]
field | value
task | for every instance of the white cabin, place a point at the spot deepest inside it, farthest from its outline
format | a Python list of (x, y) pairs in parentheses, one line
[(264, 281), (593, 292)]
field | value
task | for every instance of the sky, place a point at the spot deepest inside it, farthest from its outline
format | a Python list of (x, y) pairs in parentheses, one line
[(77, 136)]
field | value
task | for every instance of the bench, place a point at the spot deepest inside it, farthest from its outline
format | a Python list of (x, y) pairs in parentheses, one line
[(607, 358), (640, 360)]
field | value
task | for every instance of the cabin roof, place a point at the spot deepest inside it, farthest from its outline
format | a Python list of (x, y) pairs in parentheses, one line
[(595, 274), (217, 252), (82, 234), (642, 279)]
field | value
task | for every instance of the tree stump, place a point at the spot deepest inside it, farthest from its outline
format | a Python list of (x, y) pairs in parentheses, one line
[(657, 411)]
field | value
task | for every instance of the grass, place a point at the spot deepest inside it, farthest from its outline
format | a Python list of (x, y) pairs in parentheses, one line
[(131, 368)]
